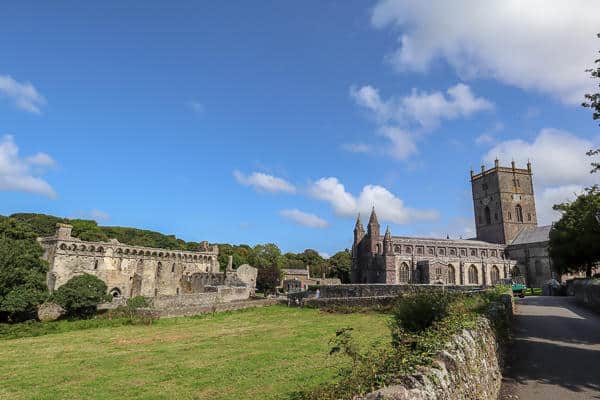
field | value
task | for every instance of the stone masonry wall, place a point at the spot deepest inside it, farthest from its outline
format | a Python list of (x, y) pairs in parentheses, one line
[(466, 369), (587, 292)]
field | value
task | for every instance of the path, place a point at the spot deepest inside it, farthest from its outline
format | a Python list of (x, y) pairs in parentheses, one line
[(556, 351)]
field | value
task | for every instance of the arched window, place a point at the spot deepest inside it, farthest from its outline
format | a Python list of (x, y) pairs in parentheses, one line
[(96, 264), (173, 267), (519, 212), (158, 269), (495, 275), (473, 253), (509, 216), (451, 280), (177, 291), (404, 273), (473, 275), (488, 215), (397, 249)]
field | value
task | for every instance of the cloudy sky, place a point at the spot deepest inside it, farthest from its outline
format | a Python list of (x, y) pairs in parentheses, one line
[(280, 121)]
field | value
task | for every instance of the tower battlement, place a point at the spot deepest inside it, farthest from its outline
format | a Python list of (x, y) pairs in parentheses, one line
[(503, 202)]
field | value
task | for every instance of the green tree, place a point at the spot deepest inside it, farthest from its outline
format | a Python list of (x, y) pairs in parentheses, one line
[(592, 100), (265, 255), (575, 238), (22, 271), (81, 295), (268, 278), (340, 266)]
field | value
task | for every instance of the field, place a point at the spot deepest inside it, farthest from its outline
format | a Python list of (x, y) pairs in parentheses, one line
[(261, 353)]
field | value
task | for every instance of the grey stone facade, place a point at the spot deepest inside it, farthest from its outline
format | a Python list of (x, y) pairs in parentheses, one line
[(130, 271), (396, 259), (507, 236)]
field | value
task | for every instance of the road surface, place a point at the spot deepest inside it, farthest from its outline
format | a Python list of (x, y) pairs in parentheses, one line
[(556, 351)]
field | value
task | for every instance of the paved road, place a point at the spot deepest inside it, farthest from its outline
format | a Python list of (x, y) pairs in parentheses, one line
[(556, 351)]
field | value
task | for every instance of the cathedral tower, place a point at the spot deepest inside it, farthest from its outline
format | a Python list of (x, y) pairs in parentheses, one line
[(503, 202)]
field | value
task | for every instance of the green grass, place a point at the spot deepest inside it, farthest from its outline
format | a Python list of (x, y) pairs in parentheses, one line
[(261, 353), (533, 291)]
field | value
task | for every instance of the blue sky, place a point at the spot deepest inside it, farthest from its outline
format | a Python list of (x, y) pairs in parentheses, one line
[(278, 121)]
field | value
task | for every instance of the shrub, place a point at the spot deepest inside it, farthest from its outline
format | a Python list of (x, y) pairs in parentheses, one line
[(416, 312), (138, 302), (81, 295)]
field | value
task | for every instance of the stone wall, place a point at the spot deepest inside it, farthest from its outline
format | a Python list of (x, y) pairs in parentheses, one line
[(587, 292), (468, 368), (204, 309), (220, 294)]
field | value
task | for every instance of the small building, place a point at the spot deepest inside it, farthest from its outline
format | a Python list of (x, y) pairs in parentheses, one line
[(296, 280)]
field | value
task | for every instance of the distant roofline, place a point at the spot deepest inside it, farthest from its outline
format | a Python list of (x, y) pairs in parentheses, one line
[(469, 241)]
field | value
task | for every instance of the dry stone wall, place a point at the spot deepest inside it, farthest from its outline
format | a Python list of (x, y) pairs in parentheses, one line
[(466, 369)]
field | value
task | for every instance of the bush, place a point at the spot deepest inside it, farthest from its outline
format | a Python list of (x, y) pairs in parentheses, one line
[(416, 312), (81, 295), (138, 302)]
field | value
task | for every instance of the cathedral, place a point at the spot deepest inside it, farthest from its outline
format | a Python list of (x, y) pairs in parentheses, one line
[(508, 240)]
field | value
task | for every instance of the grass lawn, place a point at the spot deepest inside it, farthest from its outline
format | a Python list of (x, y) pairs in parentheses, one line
[(260, 353)]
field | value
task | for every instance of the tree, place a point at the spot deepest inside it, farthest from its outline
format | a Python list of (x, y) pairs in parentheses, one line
[(22, 271), (592, 100), (340, 266), (265, 255), (81, 295), (268, 278), (575, 238)]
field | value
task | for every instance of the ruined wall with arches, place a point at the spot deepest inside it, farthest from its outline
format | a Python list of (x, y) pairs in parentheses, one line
[(129, 271)]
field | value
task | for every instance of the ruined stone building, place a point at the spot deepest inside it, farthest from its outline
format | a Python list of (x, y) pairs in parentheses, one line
[(130, 271), (507, 236)]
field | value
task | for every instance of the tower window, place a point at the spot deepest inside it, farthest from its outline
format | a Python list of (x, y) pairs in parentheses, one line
[(488, 216), (519, 212), (496, 216), (528, 217), (509, 216)]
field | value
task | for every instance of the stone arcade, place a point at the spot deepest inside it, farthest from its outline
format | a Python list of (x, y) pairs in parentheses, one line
[(130, 271), (507, 236)]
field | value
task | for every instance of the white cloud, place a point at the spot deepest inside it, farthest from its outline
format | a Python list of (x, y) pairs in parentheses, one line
[(99, 215), (559, 164), (24, 95), (304, 218), (41, 159), (425, 109), (540, 45), (389, 207), (15, 172), (197, 107), (484, 138), (397, 116), (402, 144), (264, 182), (357, 147)]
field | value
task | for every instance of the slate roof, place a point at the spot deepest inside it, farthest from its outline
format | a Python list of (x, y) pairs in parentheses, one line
[(533, 235)]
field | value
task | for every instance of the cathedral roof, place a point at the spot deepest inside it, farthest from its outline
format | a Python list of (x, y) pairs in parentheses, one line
[(533, 235), (448, 242)]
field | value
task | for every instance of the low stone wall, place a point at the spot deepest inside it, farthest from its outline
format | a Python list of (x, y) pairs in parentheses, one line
[(207, 309), (587, 292), (363, 294), (221, 295), (468, 368)]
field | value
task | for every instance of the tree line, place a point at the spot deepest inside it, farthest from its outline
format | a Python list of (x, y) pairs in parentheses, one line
[(23, 272)]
